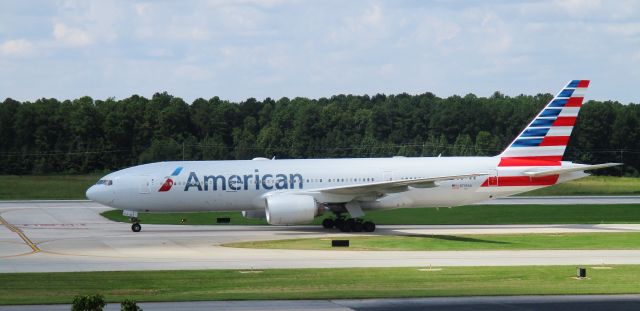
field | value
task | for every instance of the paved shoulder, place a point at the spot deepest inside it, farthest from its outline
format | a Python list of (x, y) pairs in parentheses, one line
[(585, 302)]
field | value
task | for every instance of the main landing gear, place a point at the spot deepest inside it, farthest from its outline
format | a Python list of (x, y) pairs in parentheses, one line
[(135, 226), (348, 225)]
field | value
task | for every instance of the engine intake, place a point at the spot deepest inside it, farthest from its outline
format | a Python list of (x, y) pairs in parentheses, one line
[(291, 209)]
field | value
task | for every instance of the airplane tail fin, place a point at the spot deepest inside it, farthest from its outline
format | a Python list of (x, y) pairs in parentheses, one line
[(544, 140)]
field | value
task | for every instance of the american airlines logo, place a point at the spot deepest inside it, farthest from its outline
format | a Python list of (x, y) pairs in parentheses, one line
[(168, 183), (243, 182)]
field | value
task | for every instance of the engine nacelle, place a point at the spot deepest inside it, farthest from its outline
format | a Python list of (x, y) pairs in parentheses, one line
[(291, 209), (254, 214)]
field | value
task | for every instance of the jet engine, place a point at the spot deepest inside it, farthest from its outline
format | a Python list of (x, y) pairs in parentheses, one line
[(261, 214), (291, 209)]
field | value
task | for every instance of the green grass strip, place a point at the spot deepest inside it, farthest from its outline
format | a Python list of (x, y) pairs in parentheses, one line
[(593, 185), (43, 288), (472, 214), (45, 187), (461, 242)]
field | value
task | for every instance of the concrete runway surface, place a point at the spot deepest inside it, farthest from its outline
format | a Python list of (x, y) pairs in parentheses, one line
[(495, 303), (55, 236)]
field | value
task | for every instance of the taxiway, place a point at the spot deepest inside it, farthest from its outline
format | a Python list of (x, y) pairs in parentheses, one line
[(57, 236)]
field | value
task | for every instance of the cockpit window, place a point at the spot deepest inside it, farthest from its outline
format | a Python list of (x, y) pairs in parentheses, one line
[(106, 182)]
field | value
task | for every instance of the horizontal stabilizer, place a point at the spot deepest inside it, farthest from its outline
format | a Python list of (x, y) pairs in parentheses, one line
[(576, 168)]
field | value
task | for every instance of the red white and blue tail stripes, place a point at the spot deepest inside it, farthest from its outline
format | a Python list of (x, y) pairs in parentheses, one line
[(544, 140)]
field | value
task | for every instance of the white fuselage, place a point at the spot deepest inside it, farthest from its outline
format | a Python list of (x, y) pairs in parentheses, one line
[(242, 185)]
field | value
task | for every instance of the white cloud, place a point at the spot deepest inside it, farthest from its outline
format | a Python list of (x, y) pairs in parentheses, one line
[(387, 69), (142, 9), (360, 26), (495, 34), (189, 33), (437, 30), (19, 47), (71, 36), (237, 49), (160, 52), (192, 72), (261, 3), (579, 7), (623, 29), (373, 15)]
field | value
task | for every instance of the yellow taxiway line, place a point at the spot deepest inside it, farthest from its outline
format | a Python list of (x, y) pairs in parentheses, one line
[(19, 232)]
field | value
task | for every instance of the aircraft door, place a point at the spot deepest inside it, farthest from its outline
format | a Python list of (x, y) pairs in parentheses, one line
[(144, 184), (492, 180)]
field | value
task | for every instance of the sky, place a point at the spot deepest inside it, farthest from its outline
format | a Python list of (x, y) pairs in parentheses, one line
[(274, 48)]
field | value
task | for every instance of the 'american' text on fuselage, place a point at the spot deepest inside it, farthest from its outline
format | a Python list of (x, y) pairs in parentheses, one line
[(242, 182)]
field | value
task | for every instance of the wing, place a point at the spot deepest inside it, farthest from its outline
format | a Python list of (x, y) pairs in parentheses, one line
[(376, 190), (393, 186)]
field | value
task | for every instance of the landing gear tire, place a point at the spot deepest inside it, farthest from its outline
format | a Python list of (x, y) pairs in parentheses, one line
[(357, 226), (136, 227), (368, 226), (345, 226), (328, 223), (350, 222)]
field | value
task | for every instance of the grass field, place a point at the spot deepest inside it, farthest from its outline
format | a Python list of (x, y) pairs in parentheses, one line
[(461, 242), (473, 214), (593, 185), (52, 187), (30, 187), (43, 288)]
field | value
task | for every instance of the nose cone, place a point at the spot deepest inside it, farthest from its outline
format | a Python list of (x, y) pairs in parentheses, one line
[(100, 194), (91, 193)]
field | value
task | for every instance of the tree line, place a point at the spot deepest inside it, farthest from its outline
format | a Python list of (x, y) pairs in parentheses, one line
[(86, 135)]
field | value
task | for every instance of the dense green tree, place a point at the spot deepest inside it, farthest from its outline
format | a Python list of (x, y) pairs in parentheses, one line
[(486, 144), (463, 146), (85, 135)]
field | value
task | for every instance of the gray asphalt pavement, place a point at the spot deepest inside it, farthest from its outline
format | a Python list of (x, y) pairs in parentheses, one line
[(496, 303)]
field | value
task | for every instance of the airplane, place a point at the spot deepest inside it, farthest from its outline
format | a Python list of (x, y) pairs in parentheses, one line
[(295, 191)]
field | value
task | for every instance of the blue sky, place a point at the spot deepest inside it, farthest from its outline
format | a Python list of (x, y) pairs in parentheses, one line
[(274, 48)]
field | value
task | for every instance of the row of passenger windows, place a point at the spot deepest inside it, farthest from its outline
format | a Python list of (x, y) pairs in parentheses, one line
[(272, 181), (314, 180), (466, 178), (362, 179)]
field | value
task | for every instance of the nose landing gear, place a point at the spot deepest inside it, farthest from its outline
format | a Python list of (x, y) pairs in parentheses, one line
[(135, 226)]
